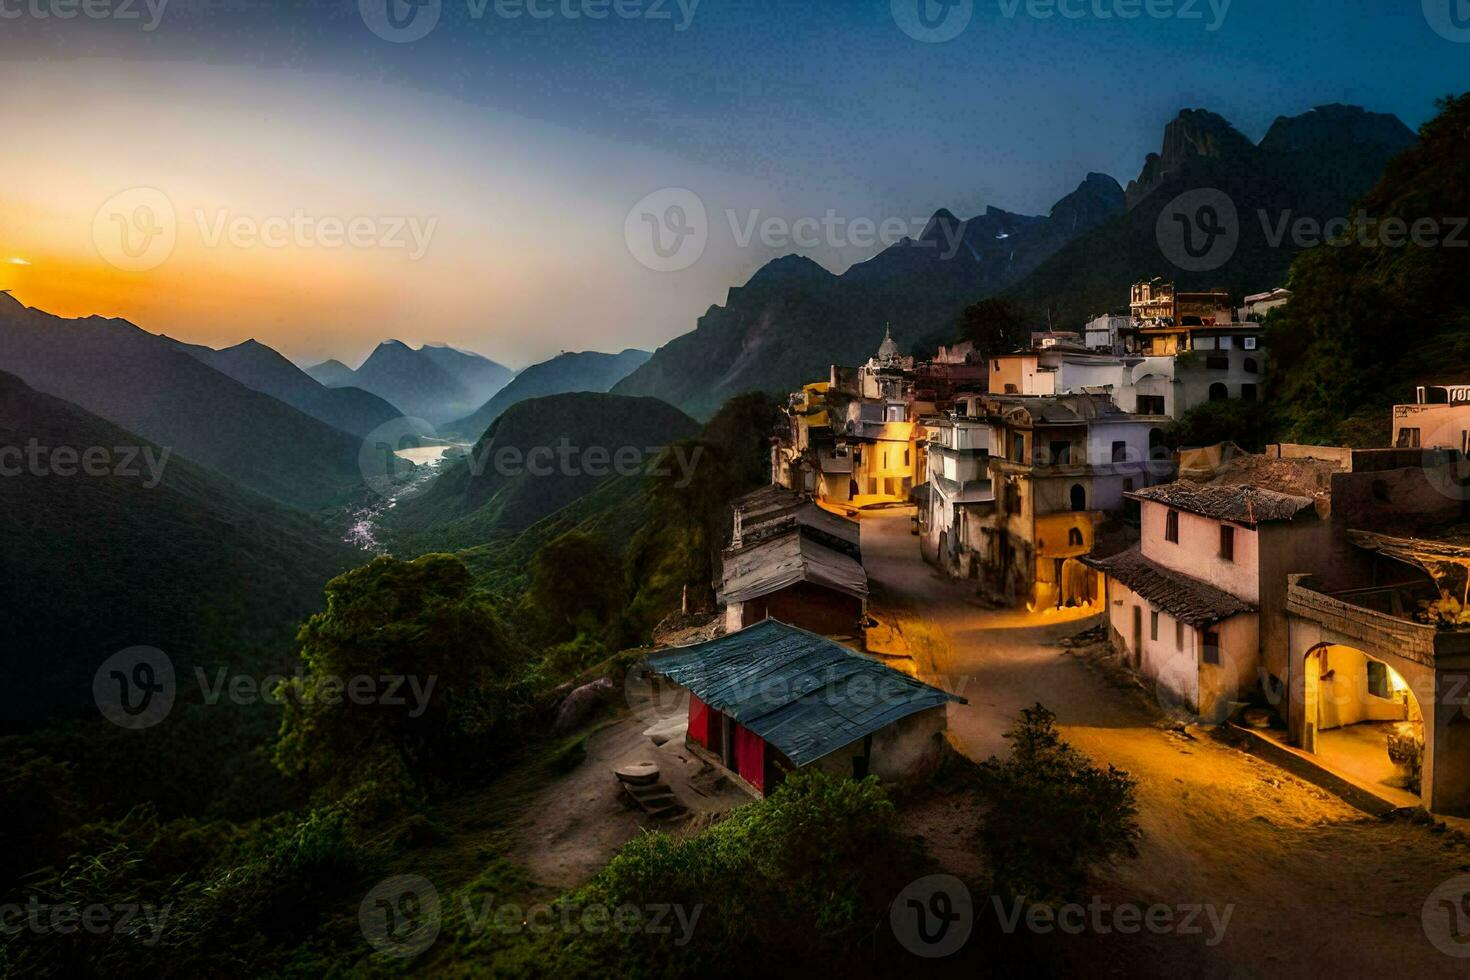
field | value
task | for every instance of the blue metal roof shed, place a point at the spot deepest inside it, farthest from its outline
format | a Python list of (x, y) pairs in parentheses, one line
[(798, 691)]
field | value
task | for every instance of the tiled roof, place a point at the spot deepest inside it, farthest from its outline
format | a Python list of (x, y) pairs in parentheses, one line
[(1244, 504), (1182, 597), (802, 693)]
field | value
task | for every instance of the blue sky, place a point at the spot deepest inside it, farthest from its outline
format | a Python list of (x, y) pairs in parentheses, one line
[(525, 134)]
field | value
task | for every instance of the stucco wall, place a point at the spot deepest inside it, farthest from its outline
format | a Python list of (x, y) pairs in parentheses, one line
[(905, 751), (1197, 553), (1176, 664)]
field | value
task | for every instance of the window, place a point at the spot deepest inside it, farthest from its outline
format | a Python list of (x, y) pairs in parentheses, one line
[(1219, 393), (1018, 448), (1251, 367), (1408, 439), (1212, 645), (1226, 342), (906, 457), (1061, 453), (1217, 363), (1249, 343), (1128, 485), (1079, 497), (1074, 538), (1171, 527), (1153, 626), (1227, 542), (995, 366), (1151, 405), (1178, 634), (1378, 685), (1248, 392), (1120, 451), (1204, 343)]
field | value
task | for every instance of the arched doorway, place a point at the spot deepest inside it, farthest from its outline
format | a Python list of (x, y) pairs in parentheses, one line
[(1079, 497), (1219, 393), (1362, 717)]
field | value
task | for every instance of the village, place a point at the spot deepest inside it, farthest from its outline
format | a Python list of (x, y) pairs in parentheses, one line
[(1274, 638)]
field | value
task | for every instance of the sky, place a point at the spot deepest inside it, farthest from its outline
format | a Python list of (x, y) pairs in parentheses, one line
[(494, 174)]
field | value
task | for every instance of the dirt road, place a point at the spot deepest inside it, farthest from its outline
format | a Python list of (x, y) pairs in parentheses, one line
[(1311, 885)]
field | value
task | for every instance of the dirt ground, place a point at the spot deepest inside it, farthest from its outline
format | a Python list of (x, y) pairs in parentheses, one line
[(574, 824), (1313, 886)]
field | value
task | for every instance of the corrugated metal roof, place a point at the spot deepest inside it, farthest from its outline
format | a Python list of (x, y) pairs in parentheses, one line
[(1182, 597), (800, 692), (778, 562)]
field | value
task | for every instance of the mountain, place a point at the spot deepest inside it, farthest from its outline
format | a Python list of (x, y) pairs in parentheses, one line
[(536, 458), (1310, 166), (147, 549), (333, 373), (1370, 321), (260, 367), (435, 383), (586, 371), (794, 318), (145, 384)]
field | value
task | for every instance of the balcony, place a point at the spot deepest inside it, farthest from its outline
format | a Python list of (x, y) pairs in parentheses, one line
[(1383, 617)]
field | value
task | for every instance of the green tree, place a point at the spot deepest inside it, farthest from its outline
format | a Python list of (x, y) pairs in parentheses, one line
[(576, 585), (1051, 816), (1375, 313), (995, 326), (417, 626)]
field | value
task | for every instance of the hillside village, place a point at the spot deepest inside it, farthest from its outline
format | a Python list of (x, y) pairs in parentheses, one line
[(1312, 598)]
